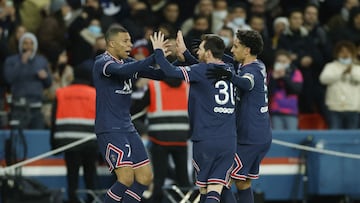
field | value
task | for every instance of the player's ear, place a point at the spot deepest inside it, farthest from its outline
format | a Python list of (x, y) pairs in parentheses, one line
[(208, 54), (112, 44)]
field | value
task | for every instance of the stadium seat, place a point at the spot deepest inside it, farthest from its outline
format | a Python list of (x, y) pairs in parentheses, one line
[(311, 121)]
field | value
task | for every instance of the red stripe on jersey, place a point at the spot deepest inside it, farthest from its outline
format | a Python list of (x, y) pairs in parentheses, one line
[(186, 75)]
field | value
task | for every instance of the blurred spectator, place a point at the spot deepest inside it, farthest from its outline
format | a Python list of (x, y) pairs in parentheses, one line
[(167, 30), (237, 17), (97, 49), (28, 75), (227, 35), (7, 17), (352, 31), (201, 26), (316, 31), (280, 25), (52, 35), (339, 21), (284, 87), (170, 19), (31, 13), (114, 11), (71, 10), (83, 31), (63, 75), (92, 32), (259, 8), (156, 6), (170, 16), (219, 15), (308, 59), (328, 9), (72, 124), (13, 41), (257, 23), (203, 8), (342, 78), (139, 21)]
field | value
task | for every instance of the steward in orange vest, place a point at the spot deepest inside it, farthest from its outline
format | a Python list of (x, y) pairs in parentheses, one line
[(168, 114), (168, 130), (73, 118)]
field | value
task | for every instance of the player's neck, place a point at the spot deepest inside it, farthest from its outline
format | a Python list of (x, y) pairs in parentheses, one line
[(249, 59), (214, 60)]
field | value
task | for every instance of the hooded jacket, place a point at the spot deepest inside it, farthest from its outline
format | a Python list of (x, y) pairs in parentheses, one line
[(23, 77)]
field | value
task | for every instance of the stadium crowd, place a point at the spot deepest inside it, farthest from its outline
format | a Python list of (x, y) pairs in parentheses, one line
[(319, 40)]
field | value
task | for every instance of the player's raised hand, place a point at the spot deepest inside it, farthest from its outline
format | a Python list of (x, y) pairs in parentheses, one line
[(180, 44), (158, 41)]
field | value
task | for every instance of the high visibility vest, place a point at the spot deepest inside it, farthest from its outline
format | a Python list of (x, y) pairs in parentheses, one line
[(168, 114), (75, 113)]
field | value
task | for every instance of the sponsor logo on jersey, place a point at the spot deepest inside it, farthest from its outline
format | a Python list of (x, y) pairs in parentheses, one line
[(224, 110)]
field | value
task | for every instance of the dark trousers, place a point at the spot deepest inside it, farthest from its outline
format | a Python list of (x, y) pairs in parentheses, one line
[(344, 120), (85, 155), (160, 160), (29, 118)]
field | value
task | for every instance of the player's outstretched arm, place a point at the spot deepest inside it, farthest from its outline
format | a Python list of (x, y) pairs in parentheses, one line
[(128, 69), (159, 45), (245, 82)]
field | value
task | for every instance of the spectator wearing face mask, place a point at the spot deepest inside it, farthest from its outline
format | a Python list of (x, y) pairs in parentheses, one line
[(238, 16), (342, 79), (227, 35), (85, 42), (284, 87), (219, 15)]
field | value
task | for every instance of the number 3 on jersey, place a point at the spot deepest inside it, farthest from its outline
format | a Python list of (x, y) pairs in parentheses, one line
[(226, 93)]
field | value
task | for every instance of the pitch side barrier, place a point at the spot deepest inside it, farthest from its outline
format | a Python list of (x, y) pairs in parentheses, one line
[(299, 164)]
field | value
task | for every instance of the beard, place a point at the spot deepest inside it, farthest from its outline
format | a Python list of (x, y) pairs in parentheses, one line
[(201, 57)]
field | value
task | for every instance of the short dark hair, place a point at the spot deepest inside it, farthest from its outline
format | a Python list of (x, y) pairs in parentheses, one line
[(113, 30), (251, 39), (282, 52), (215, 44), (344, 44)]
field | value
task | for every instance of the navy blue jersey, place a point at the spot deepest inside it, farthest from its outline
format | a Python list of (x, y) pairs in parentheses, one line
[(211, 106), (252, 113), (113, 81)]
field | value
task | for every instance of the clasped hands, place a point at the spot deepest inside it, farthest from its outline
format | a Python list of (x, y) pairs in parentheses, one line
[(159, 42)]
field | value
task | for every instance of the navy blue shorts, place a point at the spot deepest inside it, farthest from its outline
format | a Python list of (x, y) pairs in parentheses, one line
[(213, 161), (122, 149), (247, 160)]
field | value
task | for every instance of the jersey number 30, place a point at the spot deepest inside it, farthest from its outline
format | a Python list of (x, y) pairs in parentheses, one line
[(226, 93)]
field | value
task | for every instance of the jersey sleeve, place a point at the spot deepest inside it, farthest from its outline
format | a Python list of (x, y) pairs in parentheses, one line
[(126, 69), (245, 82), (182, 72), (151, 73)]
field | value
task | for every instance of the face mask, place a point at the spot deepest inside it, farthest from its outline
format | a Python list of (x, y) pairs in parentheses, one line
[(345, 61), (94, 29), (239, 21), (220, 14), (226, 41), (280, 66), (67, 16)]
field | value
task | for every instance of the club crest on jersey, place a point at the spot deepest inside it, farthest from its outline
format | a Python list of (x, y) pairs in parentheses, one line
[(114, 157), (127, 89)]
